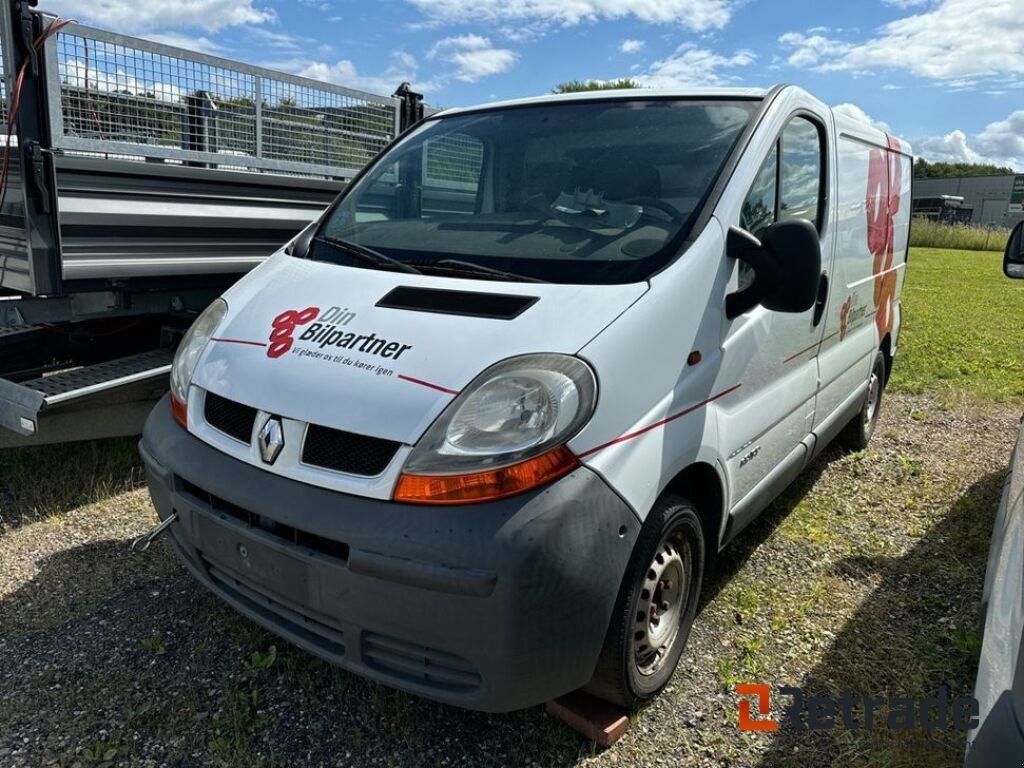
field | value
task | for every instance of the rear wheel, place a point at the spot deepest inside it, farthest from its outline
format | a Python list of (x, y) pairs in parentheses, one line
[(655, 608), (857, 434)]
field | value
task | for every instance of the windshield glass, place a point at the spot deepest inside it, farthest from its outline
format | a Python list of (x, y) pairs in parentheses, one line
[(588, 192)]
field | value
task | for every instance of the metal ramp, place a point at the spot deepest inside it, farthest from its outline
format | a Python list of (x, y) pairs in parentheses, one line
[(136, 380)]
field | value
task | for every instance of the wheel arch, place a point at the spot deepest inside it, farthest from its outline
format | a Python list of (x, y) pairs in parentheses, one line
[(702, 484), (886, 349)]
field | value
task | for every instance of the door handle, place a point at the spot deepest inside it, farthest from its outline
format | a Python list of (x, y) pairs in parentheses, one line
[(819, 305)]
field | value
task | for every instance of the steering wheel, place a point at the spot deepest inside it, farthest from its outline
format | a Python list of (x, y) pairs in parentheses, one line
[(670, 212)]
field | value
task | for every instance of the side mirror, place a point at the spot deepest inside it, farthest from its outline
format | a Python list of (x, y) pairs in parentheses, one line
[(1013, 261), (786, 263), (300, 245)]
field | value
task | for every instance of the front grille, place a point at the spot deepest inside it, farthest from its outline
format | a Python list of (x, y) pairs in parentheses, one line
[(415, 663), (347, 452), (233, 419)]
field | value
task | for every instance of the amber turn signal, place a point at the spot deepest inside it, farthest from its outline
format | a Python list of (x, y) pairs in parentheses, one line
[(180, 411), (486, 486)]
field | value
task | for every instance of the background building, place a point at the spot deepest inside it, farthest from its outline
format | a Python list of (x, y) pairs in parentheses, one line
[(995, 201)]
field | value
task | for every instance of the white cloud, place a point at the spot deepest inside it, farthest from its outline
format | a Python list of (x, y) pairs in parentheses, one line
[(959, 41), (473, 56), (697, 15), (146, 15), (77, 74), (279, 41), (858, 114), (1004, 139), (953, 147), (690, 65), (402, 68), (1001, 143), (188, 42), (631, 46)]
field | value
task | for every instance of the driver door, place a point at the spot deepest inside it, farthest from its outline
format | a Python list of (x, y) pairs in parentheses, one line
[(773, 354)]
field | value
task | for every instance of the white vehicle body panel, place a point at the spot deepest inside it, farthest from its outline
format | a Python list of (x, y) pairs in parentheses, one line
[(765, 383)]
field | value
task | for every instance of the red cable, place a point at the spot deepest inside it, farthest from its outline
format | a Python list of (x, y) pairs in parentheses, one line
[(12, 116), (92, 106)]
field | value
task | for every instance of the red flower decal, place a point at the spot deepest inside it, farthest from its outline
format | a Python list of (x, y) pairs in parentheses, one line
[(284, 326)]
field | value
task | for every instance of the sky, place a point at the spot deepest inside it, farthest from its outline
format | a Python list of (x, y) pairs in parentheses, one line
[(948, 75)]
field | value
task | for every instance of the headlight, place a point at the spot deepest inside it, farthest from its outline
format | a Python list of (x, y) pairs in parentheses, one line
[(190, 349), (519, 411)]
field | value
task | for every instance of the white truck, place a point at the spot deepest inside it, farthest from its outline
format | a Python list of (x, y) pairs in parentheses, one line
[(480, 431)]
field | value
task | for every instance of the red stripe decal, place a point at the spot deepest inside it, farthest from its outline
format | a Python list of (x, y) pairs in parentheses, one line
[(808, 349), (663, 422), (428, 384), (241, 341)]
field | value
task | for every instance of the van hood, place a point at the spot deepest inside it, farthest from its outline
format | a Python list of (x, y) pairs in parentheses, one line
[(341, 347)]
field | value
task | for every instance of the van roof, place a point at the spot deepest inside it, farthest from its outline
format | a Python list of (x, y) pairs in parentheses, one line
[(629, 93), (874, 134)]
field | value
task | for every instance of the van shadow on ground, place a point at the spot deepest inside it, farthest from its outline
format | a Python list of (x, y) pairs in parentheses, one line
[(917, 632), (732, 560)]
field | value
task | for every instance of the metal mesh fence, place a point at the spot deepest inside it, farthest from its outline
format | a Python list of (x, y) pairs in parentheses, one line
[(454, 158), (126, 96)]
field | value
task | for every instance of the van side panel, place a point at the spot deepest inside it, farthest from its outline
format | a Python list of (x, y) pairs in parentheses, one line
[(872, 227)]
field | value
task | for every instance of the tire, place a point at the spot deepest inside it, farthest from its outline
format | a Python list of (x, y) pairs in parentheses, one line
[(656, 606), (857, 434)]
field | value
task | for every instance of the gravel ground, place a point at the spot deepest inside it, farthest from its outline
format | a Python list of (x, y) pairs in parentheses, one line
[(866, 574)]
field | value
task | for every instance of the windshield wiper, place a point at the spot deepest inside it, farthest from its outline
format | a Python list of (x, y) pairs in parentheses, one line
[(368, 254), (480, 269)]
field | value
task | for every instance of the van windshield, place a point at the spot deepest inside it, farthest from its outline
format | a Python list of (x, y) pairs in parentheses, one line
[(577, 192)]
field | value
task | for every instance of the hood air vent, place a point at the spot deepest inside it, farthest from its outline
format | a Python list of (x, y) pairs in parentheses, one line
[(495, 306)]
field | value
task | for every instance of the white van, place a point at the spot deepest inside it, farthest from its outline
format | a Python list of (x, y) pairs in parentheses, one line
[(480, 431)]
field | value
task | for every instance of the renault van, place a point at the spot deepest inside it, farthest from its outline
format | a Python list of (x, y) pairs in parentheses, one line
[(480, 431)]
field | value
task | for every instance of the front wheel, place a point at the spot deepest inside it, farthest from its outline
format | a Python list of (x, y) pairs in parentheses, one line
[(656, 606), (857, 434)]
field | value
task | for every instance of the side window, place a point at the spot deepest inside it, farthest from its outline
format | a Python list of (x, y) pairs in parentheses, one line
[(792, 190), (759, 207), (800, 176), (452, 167), (787, 190)]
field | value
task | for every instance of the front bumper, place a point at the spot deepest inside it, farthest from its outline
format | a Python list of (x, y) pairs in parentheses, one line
[(495, 606)]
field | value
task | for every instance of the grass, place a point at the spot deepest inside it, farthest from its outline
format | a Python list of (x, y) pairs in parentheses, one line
[(925, 233), (963, 326), (42, 481)]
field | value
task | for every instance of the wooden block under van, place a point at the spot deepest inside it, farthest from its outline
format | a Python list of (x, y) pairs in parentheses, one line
[(598, 720)]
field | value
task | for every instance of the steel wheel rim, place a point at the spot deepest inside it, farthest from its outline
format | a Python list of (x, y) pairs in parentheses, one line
[(658, 610), (871, 407)]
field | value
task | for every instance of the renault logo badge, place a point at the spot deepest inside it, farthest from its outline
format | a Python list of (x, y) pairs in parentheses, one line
[(270, 440)]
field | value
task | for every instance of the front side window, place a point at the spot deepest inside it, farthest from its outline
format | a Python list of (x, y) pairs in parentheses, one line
[(759, 207), (791, 189), (585, 192), (800, 175)]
